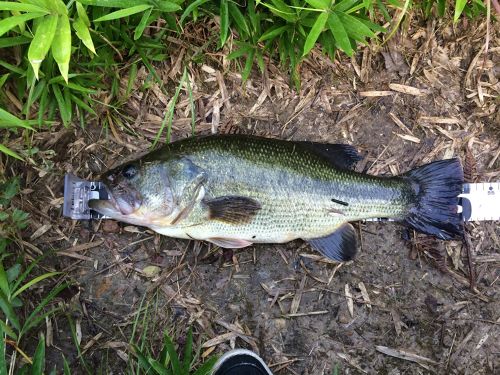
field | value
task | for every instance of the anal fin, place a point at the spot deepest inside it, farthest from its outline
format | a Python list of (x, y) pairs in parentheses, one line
[(230, 243), (340, 246)]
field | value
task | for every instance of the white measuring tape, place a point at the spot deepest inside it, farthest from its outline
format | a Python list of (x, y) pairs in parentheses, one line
[(480, 201)]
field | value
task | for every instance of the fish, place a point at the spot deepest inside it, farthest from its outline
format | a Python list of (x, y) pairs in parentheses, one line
[(239, 190)]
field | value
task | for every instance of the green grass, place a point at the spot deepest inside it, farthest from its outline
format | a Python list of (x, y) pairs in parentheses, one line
[(71, 50)]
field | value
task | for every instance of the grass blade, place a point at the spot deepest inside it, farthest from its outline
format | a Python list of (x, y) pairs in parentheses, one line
[(188, 352), (176, 365), (340, 34), (11, 22), (3, 362), (207, 367), (224, 22), (33, 282), (39, 358), (316, 30), (190, 9), (142, 24), (459, 8), (10, 121), (123, 13)]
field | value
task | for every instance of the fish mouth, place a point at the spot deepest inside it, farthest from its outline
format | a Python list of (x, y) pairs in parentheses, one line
[(113, 206)]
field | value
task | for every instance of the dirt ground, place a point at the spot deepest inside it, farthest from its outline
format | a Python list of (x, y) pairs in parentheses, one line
[(408, 304)]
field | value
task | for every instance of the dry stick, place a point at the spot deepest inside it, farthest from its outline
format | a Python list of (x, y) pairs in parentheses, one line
[(467, 243), (496, 5)]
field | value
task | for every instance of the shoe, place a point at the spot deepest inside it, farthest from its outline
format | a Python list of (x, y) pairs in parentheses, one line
[(240, 362)]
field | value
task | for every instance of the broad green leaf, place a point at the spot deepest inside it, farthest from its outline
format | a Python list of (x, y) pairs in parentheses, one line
[(317, 29), (239, 52), (10, 121), (167, 6), (355, 28), (123, 13), (61, 45), (273, 32), (39, 358), (239, 19), (82, 13), (34, 281), (57, 7), (82, 32), (224, 22), (20, 7), (142, 24), (42, 41), (11, 22), (190, 9), (282, 10), (319, 4), (339, 33), (343, 6), (459, 8)]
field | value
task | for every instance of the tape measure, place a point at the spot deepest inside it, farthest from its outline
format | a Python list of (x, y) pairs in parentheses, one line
[(478, 202)]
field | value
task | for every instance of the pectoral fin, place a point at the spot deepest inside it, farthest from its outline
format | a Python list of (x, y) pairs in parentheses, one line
[(341, 245), (231, 243), (232, 209)]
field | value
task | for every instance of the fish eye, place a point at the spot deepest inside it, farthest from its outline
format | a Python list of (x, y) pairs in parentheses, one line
[(129, 171)]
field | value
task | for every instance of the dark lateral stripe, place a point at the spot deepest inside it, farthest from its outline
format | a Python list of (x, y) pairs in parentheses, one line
[(340, 202)]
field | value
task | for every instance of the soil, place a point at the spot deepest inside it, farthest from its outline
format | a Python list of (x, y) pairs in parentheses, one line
[(408, 292)]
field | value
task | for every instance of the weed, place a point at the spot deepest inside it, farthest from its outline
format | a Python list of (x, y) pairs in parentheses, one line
[(72, 49)]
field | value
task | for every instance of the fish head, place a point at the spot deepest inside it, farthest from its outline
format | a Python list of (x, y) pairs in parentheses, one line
[(139, 193)]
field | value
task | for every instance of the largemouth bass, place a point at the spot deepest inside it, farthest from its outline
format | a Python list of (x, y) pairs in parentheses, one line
[(235, 190)]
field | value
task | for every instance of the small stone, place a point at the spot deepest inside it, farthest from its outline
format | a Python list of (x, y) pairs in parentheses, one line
[(110, 226), (151, 271)]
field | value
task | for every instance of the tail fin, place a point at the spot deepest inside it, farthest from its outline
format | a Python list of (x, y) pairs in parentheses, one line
[(437, 186)]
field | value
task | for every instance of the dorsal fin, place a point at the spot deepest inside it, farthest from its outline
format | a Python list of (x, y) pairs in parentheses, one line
[(340, 155)]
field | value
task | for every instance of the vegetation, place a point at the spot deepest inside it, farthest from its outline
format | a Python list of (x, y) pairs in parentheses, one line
[(68, 50)]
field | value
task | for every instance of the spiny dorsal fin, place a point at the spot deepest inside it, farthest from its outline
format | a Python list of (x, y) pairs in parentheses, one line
[(232, 209), (340, 155), (341, 245)]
